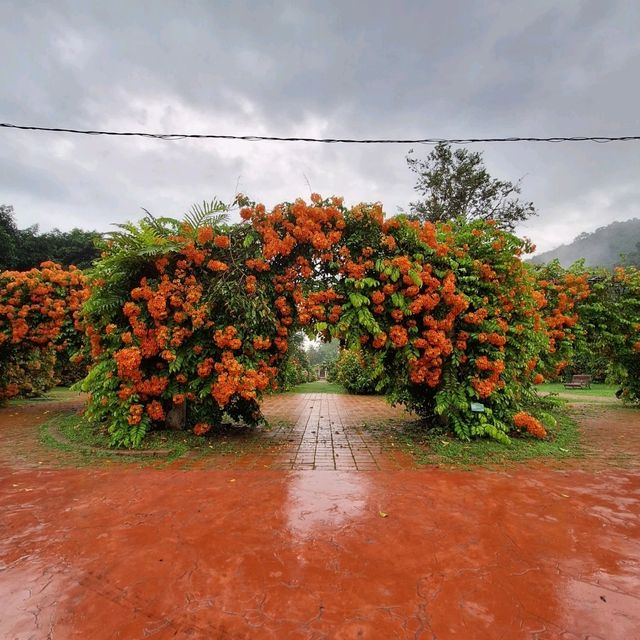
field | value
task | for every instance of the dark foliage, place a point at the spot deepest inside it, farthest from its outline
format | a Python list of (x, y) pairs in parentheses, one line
[(24, 249)]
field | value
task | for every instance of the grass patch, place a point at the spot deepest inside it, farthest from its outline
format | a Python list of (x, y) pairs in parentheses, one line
[(80, 434), (596, 391), (58, 394), (432, 447), (319, 386)]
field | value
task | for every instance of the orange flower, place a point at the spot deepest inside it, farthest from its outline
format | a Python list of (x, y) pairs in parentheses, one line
[(260, 343), (222, 242), (250, 284), (216, 265), (205, 368), (135, 414), (128, 361), (226, 339), (125, 393), (379, 340), (155, 410), (377, 297), (398, 336), (526, 421), (205, 234), (201, 428)]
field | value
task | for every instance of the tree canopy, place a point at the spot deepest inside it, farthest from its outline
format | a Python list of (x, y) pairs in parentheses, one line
[(24, 249), (323, 352), (454, 184), (8, 233)]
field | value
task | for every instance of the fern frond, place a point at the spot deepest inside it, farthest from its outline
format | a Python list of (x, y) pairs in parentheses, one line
[(208, 213)]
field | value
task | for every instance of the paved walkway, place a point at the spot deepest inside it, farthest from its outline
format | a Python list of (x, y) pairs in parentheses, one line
[(329, 432)]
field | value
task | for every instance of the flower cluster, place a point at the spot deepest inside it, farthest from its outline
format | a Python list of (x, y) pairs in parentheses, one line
[(559, 294), (38, 312), (527, 422)]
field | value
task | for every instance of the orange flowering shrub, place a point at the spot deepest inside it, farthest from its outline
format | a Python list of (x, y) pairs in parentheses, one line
[(609, 327), (204, 318), (452, 311), (560, 295), (200, 314), (37, 322)]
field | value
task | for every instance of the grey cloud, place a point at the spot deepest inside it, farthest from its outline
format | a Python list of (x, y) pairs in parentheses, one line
[(341, 69)]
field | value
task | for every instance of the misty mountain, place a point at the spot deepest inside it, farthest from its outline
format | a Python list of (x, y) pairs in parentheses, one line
[(601, 248)]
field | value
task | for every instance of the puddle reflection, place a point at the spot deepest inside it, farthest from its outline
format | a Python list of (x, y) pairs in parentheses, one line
[(318, 501)]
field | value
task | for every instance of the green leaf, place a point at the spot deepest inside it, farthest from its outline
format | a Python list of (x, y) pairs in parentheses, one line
[(249, 240), (355, 300), (415, 277)]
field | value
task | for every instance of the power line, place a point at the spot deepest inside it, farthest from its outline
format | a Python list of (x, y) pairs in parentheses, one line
[(214, 136)]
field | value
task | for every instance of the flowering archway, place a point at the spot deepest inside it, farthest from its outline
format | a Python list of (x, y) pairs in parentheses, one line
[(200, 311)]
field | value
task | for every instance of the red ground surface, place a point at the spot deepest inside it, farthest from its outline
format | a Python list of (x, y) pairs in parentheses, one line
[(408, 553)]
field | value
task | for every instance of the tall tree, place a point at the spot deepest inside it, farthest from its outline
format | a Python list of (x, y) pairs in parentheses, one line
[(23, 249), (8, 236), (323, 352), (455, 184)]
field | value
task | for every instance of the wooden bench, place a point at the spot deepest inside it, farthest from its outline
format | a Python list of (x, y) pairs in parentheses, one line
[(579, 382)]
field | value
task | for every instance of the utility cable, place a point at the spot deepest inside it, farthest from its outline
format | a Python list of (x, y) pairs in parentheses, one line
[(253, 138)]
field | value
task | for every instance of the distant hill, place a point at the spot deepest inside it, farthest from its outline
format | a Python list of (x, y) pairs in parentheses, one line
[(602, 248)]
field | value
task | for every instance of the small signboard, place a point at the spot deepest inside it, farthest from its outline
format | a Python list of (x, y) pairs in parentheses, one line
[(477, 406)]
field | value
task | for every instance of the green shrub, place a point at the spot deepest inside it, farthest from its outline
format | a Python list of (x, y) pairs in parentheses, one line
[(358, 372)]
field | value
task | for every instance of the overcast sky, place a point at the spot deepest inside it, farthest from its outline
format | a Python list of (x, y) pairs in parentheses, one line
[(330, 69)]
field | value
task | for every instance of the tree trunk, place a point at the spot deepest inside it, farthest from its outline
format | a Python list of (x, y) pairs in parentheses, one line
[(177, 417)]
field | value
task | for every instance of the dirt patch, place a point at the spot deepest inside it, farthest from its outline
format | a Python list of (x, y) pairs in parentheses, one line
[(20, 445), (610, 435)]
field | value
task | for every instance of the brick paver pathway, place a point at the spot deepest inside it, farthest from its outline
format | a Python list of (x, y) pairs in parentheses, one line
[(329, 432)]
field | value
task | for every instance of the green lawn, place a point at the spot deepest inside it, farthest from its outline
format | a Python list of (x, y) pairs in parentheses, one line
[(319, 386), (598, 390), (428, 447), (57, 393)]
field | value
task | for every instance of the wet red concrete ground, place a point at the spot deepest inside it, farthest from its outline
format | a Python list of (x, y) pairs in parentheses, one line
[(133, 553)]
